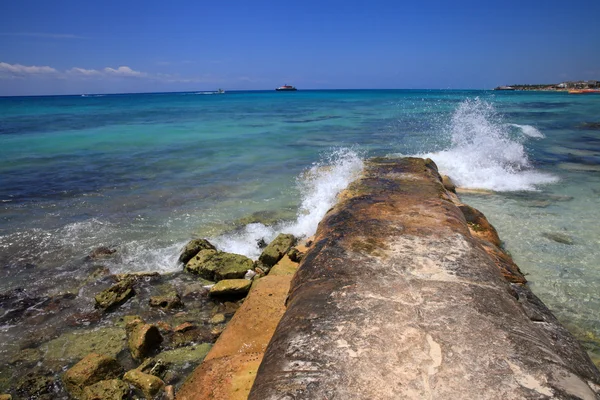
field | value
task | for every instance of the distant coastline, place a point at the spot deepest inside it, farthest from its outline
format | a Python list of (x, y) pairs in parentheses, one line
[(554, 87)]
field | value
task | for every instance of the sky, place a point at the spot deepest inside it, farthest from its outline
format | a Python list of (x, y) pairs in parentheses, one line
[(75, 47)]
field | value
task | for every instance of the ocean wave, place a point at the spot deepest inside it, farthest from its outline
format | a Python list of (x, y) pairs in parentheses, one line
[(484, 155), (319, 186)]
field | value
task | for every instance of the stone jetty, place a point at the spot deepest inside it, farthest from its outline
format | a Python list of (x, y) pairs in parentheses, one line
[(407, 293)]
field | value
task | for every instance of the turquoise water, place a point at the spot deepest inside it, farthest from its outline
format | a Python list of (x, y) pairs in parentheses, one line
[(144, 173)]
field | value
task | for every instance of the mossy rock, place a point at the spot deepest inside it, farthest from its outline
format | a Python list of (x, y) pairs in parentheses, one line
[(277, 249), (5, 397), (114, 296), (150, 385), (76, 345), (230, 288), (90, 370), (110, 389), (217, 319), (143, 339), (217, 265), (167, 302), (183, 355), (193, 248)]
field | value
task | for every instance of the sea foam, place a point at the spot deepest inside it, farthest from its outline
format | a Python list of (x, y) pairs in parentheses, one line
[(319, 187), (483, 153)]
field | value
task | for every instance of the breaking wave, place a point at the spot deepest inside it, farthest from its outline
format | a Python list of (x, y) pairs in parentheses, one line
[(319, 187), (484, 154)]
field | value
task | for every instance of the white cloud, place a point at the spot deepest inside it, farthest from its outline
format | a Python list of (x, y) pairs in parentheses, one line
[(12, 71), (84, 72), (18, 70), (124, 71)]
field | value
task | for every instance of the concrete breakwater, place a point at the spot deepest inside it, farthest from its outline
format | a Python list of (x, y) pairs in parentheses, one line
[(407, 293)]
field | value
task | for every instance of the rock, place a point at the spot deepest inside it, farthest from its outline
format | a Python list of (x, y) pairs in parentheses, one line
[(169, 392), (150, 385), (134, 277), (230, 288), (448, 183), (114, 296), (76, 345), (285, 266), (111, 389), (163, 326), (92, 369), (295, 255), (277, 249), (189, 354), (559, 237), (193, 248), (143, 339), (479, 225), (186, 326), (196, 289), (154, 367), (101, 252), (5, 397), (169, 301), (217, 265), (217, 319), (35, 385), (195, 334)]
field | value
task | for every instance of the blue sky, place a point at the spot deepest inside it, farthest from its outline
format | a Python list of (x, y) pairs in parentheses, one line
[(61, 47)]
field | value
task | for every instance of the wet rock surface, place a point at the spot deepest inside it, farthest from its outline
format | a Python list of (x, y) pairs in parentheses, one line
[(230, 288), (217, 265), (277, 249), (397, 265), (149, 385), (193, 248), (111, 389), (73, 328), (90, 370), (143, 339), (119, 293)]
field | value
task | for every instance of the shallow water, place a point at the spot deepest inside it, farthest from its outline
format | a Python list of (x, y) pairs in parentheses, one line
[(144, 173)]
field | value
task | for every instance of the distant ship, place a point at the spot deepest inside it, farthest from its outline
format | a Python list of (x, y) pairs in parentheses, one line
[(286, 88), (220, 91), (504, 88)]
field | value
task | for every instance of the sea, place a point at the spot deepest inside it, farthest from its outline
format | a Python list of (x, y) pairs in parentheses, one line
[(144, 173)]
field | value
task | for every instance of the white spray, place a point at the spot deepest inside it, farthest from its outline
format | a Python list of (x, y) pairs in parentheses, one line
[(319, 187), (483, 154)]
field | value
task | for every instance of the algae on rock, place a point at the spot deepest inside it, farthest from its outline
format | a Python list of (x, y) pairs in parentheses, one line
[(277, 249), (92, 369), (110, 389), (231, 288), (193, 248), (114, 296), (183, 355), (217, 265), (77, 344)]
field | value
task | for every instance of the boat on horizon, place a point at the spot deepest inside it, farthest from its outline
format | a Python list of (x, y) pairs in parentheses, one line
[(286, 88), (504, 88)]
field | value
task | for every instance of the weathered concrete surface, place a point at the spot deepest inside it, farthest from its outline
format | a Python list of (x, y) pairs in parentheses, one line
[(229, 369), (396, 299)]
